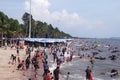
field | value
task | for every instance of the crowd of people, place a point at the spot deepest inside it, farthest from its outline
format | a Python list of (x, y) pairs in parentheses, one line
[(59, 53)]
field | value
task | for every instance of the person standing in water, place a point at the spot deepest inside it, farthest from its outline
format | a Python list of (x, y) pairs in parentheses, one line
[(68, 75), (92, 61), (56, 73), (88, 73)]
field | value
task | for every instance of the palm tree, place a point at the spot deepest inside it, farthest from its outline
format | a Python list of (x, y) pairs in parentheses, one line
[(3, 26)]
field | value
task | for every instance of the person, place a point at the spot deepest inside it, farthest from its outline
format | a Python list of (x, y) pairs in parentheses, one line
[(18, 60), (11, 57), (27, 62), (71, 56), (41, 56), (92, 61), (23, 65), (47, 76), (19, 66), (58, 62), (88, 73), (46, 67), (46, 56), (56, 73), (12, 45), (51, 76), (26, 50), (68, 74), (61, 58), (5, 45), (18, 50), (14, 59), (36, 67), (54, 56), (114, 72)]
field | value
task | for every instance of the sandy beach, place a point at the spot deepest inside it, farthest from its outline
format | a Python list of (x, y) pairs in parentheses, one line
[(8, 71)]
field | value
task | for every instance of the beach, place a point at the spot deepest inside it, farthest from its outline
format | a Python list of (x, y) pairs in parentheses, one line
[(76, 67), (8, 71)]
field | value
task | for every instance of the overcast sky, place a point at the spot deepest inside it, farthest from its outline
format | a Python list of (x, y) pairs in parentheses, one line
[(79, 18)]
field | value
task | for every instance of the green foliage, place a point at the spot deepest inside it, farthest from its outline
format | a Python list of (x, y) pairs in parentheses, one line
[(10, 27)]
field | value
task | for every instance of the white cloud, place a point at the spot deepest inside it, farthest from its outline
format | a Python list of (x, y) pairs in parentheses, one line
[(71, 23)]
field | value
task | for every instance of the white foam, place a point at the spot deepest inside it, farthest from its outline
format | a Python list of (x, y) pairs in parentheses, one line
[(75, 56), (53, 66), (77, 76)]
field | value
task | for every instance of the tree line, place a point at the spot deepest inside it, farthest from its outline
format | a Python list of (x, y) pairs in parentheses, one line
[(11, 28)]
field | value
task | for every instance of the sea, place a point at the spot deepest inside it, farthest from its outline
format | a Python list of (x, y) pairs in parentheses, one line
[(101, 69)]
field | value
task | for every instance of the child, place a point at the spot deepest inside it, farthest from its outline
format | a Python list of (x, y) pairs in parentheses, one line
[(68, 74), (23, 65)]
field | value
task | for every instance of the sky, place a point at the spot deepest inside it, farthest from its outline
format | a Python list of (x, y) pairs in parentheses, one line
[(79, 18)]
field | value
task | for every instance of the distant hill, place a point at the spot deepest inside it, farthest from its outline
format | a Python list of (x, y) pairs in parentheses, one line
[(115, 38), (10, 27)]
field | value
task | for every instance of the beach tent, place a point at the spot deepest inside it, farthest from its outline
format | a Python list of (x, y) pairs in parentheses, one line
[(43, 40)]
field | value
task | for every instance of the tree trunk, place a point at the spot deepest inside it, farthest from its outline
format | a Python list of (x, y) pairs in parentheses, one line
[(2, 39)]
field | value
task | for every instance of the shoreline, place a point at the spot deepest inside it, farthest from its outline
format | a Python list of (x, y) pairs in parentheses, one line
[(77, 66)]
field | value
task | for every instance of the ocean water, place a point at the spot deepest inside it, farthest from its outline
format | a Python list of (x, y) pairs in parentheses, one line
[(102, 68)]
